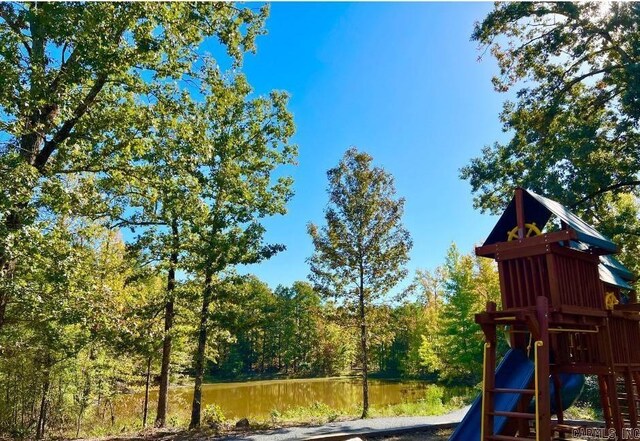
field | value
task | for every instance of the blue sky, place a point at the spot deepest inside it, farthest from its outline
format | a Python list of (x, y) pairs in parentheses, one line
[(401, 81)]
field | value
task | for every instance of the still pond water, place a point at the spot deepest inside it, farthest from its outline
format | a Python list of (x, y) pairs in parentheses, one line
[(258, 398)]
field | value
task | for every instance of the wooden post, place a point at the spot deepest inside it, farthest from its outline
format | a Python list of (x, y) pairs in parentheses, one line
[(543, 403), (557, 385), (523, 424), (605, 401), (613, 402), (520, 212), (554, 281), (488, 379)]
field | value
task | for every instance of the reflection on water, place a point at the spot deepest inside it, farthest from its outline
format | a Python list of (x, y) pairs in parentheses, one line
[(258, 398)]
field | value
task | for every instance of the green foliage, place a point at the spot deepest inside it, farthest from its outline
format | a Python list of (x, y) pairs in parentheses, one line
[(81, 334), (317, 412), (452, 348), (111, 115), (399, 349), (574, 127), (286, 331), (335, 350), (430, 404), (213, 416), (361, 252), (84, 89), (430, 286), (364, 246), (433, 397)]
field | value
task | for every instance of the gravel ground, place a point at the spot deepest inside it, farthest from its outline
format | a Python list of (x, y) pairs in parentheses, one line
[(419, 427), (354, 427)]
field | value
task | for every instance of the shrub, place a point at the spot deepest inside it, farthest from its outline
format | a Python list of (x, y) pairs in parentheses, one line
[(213, 415), (433, 397), (275, 415)]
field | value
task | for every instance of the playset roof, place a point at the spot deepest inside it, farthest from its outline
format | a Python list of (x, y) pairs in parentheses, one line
[(539, 209)]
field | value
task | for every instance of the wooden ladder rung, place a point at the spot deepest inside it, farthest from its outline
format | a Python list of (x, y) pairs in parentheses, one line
[(565, 428), (507, 438), (567, 439), (504, 390), (524, 415)]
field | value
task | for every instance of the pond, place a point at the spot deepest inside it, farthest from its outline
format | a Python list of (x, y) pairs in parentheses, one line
[(257, 399)]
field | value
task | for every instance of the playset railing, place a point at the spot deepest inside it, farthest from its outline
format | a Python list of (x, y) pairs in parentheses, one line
[(566, 277)]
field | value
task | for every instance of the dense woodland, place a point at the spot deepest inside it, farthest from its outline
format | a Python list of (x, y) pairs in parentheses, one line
[(136, 170), (104, 337)]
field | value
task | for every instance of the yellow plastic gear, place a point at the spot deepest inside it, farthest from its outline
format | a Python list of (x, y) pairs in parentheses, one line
[(610, 301), (531, 230)]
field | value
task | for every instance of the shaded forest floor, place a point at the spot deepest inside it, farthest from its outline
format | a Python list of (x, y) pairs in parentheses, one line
[(283, 432), (423, 435), (186, 435)]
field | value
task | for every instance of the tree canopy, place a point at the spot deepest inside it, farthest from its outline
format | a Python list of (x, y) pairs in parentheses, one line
[(361, 252), (82, 89), (113, 116), (574, 125)]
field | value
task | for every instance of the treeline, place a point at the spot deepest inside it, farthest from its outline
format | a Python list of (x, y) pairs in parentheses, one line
[(288, 331), (92, 329), (428, 333)]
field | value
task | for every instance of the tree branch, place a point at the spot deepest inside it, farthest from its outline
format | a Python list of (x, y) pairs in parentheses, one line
[(15, 28), (606, 190), (586, 75), (63, 133), (53, 87), (132, 223)]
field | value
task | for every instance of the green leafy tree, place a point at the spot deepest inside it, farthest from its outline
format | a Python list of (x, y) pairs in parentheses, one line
[(463, 340), (337, 345), (162, 199), (430, 285), (246, 314), (574, 127), (76, 83), (66, 352), (361, 252), (385, 339), (242, 143), (470, 283), (297, 315), (306, 314)]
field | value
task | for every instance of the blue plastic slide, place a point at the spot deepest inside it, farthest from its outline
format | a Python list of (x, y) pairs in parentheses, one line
[(515, 371), (572, 385)]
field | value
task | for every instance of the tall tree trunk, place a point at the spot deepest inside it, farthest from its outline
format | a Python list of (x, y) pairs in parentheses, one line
[(201, 352), (163, 394), (145, 407), (42, 417), (363, 343)]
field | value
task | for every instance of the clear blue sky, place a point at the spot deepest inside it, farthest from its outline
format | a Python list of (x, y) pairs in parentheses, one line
[(400, 81)]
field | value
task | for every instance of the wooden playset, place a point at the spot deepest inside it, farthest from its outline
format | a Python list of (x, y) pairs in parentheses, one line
[(569, 310)]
